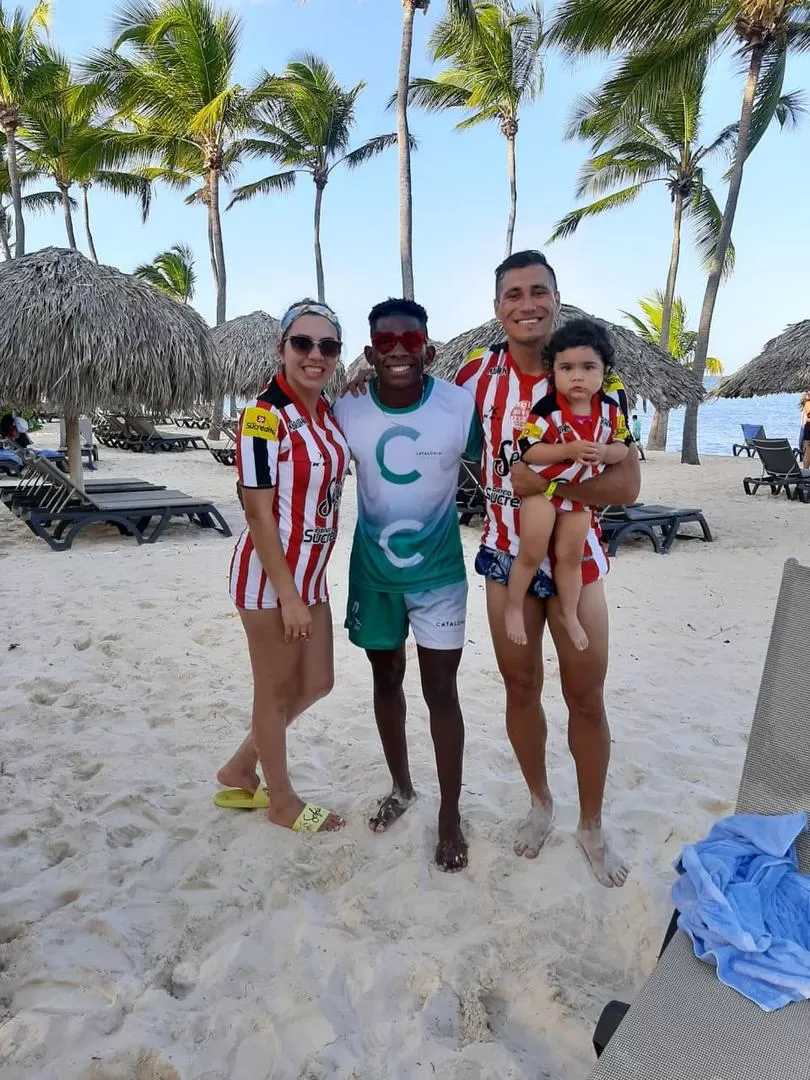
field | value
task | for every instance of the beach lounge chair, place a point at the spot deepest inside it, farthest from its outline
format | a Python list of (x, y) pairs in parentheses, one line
[(226, 455), (60, 517), (780, 471), (88, 446), (111, 430), (152, 440), (10, 463), (686, 1024), (661, 524), (32, 487), (470, 498), (750, 432)]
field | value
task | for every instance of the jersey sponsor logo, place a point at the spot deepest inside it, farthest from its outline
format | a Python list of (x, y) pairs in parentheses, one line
[(501, 497), (612, 382), (497, 370), (397, 432), (296, 424), (520, 414), (388, 534), (622, 434), (334, 492), (260, 424), (320, 536), (531, 431), (504, 458)]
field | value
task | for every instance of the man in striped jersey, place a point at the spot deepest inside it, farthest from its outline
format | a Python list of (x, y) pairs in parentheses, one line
[(505, 381)]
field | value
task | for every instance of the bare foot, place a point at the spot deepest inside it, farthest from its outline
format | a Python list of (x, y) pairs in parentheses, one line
[(286, 813), (515, 626), (575, 632), (533, 832), (390, 810), (237, 774), (451, 850), (610, 868)]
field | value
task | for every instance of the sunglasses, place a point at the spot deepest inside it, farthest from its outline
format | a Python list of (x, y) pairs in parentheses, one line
[(328, 347), (412, 341)]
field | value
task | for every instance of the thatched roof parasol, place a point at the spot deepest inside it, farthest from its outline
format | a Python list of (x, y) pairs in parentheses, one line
[(247, 347), (86, 336), (646, 371), (783, 367)]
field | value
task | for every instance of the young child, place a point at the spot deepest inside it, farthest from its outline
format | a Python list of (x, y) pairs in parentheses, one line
[(571, 435)]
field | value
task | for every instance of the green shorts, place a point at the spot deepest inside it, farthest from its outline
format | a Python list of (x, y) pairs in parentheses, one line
[(381, 620)]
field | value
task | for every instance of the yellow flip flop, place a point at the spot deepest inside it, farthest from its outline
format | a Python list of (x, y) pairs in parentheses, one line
[(239, 799), (311, 819)]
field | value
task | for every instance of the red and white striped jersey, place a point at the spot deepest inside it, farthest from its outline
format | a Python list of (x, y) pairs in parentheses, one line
[(304, 459), (552, 422), (504, 396)]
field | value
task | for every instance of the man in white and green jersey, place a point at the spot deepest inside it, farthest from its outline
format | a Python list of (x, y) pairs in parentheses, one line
[(408, 435)]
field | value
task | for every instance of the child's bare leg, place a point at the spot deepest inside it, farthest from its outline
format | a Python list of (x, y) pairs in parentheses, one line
[(537, 517), (570, 534)]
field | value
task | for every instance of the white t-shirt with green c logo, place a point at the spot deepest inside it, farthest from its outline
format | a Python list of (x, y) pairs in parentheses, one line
[(407, 537)]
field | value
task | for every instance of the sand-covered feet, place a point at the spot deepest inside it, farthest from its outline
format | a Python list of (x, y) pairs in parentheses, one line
[(609, 867), (390, 809), (451, 849), (533, 832)]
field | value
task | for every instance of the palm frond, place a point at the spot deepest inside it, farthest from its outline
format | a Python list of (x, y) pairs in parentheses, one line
[(371, 149), (278, 184), (707, 219), (568, 225)]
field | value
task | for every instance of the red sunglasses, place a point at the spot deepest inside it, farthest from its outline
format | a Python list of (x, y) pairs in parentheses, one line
[(412, 341)]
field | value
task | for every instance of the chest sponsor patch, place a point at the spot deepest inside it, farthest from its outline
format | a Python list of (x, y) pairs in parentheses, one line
[(520, 414), (260, 424)]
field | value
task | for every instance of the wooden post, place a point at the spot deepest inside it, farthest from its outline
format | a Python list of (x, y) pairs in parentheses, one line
[(74, 449)]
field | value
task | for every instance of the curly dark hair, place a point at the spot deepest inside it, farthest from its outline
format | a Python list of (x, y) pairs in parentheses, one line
[(396, 306), (580, 333)]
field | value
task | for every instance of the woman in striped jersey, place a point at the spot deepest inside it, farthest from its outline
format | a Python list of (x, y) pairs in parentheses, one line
[(291, 462)]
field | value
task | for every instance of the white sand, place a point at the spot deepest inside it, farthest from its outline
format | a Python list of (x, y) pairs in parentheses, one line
[(147, 935)]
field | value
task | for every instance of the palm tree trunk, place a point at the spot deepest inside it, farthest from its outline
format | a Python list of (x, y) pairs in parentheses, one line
[(659, 429), (16, 190), (511, 165), (71, 235), (404, 148), (318, 253), (689, 450), (86, 207), (221, 282), (4, 236)]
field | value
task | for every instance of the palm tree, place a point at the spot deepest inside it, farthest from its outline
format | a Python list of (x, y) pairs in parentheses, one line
[(462, 9), (680, 341), (23, 73), (63, 138), (36, 201), (494, 67), (668, 42), (630, 155), (171, 73), (305, 124), (172, 272)]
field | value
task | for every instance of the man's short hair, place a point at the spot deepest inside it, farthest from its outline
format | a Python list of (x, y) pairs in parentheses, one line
[(519, 261), (394, 306), (577, 334)]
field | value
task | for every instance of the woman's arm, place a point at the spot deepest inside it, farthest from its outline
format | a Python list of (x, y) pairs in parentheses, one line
[(614, 453)]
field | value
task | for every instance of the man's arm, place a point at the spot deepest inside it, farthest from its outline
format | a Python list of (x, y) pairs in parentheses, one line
[(618, 485)]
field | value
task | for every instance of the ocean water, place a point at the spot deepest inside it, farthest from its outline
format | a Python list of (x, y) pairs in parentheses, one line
[(719, 420)]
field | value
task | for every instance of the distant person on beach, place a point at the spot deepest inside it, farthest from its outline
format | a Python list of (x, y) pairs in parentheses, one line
[(291, 462), (571, 434), (505, 380), (407, 435), (635, 428), (804, 405), (15, 429)]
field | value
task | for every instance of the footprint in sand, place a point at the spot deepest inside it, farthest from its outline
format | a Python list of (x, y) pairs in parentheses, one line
[(124, 836)]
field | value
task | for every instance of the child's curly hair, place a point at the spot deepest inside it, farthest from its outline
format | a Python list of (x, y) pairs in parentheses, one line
[(580, 333)]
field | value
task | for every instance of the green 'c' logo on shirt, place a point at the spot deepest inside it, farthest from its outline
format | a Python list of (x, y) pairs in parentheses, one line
[(396, 433)]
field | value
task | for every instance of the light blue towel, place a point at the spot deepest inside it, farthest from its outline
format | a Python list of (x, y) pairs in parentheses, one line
[(746, 908)]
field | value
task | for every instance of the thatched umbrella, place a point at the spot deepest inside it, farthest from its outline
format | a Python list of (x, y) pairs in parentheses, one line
[(87, 336), (247, 350), (647, 371), (783, 367)]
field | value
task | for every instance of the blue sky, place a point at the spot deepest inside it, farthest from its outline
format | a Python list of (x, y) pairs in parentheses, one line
[(460, 196)]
